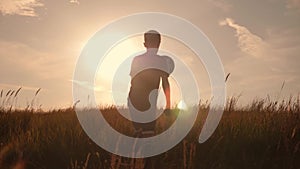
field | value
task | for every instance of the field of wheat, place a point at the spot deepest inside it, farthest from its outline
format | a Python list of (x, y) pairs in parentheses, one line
[(263, 135)]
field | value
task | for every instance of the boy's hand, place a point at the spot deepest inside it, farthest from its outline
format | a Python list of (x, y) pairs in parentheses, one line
[(167, 112)]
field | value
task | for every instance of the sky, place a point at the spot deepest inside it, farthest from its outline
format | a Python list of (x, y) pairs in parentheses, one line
[(40, 40)]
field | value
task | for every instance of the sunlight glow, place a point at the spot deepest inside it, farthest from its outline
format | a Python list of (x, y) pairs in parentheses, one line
[(108, 68), (181, 105)]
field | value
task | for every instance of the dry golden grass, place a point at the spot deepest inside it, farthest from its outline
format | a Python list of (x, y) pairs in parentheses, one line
[(264, 134)]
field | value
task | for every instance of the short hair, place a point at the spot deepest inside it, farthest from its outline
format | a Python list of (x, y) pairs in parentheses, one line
[(152, 37)]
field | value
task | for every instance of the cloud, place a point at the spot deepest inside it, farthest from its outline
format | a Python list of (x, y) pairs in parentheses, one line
[(20, 59), (74, 2), (89, 86), (293, 4), (248, 42), (278, 58), (24, 65), (19, 7)]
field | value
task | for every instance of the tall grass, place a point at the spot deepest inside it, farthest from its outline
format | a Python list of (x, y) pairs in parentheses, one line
[(263, 134)]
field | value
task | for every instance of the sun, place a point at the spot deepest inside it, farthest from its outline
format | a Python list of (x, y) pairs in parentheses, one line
[(119, 55)]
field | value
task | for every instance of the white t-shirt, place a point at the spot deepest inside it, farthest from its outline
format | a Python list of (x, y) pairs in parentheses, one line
[(151, 61)]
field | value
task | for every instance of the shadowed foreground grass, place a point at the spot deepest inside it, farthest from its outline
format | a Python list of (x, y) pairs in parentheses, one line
[(261, 135)]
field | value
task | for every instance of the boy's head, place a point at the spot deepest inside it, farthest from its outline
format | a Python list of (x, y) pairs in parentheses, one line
[(152, 39)]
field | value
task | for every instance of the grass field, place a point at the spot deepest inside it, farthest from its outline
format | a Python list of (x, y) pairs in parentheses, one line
[(263, 135)]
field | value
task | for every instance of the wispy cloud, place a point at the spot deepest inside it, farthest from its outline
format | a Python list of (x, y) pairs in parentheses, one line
[(293, 4), (89, 86), (23, 61), (248, 42), (74, 2), (19, 7)]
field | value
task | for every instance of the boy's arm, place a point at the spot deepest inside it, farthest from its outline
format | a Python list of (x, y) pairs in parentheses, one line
[(166, 88), (133, 68)]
